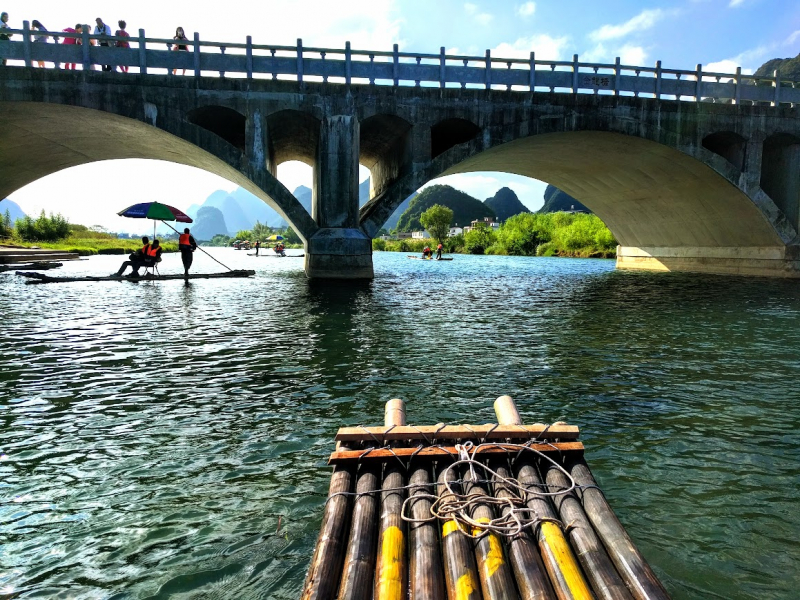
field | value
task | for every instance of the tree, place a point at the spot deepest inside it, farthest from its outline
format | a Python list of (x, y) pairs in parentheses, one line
[(243, 234), (6, 227), (290, 237), (260, 231), (437, 221)]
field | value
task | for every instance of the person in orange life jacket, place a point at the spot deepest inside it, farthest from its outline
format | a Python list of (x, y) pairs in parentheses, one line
[(426, 252), (439, 251), (258, 246), (152, 255), (135, 260), (187, 246)]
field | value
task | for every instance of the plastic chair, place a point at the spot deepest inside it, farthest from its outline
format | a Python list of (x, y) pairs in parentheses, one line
[(152, 270)]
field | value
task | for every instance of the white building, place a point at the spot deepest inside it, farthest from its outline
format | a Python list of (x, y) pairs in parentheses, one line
[(487, 222), (455, 230), (420, 235)]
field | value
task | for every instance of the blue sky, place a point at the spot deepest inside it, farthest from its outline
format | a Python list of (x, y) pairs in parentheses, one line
[(720, 34)]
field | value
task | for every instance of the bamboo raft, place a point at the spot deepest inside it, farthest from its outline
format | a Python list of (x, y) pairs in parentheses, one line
[(34, 266), (470, 512), (41, 278)]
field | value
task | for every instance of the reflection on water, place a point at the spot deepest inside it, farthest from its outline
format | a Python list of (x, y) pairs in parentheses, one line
[(153, 434)]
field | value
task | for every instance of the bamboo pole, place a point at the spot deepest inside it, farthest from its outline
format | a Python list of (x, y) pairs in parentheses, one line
[(359, 564), (461, 575), (497, 579), (523, 554), (599, 569), (391, 581), (631, 565), (323, 575), (565, 573), (425, 560)]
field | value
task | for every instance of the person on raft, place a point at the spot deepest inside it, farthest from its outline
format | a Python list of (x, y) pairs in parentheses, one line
[(258, 246), (136, 260), (152, 256), (187, 246), (427, 252), (439, 251), (279, 249)]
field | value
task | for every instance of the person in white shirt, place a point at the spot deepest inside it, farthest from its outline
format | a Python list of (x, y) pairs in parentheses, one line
[(102, 29)]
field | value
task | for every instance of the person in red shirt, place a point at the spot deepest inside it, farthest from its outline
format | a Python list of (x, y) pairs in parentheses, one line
[(71, 41), (122, 43)]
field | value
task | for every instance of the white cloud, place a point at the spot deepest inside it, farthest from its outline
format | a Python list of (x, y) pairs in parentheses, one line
[(632, 55), (527, 9), (749, 60), (792, 38), (644, 20), (471, 8), (545, 46), (483, 18), (735, 3)]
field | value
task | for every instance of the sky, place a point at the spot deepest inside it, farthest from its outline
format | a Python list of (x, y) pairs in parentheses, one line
[(719, 34)]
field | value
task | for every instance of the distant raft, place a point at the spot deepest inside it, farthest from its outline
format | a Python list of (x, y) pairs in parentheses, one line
[(464, 512), (421, 258), (41, 278)]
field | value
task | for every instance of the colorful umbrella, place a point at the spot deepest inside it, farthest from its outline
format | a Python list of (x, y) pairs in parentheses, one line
[(155, 211), (274, 238)]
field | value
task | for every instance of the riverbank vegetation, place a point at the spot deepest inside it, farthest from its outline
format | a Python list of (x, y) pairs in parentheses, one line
[(554, 234), (56, 233)]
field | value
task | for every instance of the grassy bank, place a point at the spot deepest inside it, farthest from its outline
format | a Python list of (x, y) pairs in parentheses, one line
[(554, 234), (91, 246)]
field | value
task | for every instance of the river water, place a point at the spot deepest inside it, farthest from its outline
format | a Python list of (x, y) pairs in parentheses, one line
[(153, 434)]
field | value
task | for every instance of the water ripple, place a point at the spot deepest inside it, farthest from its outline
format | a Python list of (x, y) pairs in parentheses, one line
[(153, 435)]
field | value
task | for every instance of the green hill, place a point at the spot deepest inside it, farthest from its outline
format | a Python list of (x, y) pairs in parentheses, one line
[(505, 204), (789, 68), (555, 200), (465, 208)]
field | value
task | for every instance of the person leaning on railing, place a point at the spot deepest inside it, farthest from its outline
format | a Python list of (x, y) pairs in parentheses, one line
[(122, 43), (71, 41)]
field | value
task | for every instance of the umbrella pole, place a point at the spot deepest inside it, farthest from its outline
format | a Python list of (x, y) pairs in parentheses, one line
[(199, 248)]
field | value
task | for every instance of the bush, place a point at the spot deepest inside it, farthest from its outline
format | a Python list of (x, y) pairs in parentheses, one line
[(477, 240), (547, 249), (43, 229), (379, 245)]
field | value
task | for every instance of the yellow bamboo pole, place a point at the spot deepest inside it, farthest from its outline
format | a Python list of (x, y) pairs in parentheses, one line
[(565, 573), (391, 582)]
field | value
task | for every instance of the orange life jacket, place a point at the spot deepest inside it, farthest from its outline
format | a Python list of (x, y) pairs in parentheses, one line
[(183, 239), (150, 251), (145, 248)]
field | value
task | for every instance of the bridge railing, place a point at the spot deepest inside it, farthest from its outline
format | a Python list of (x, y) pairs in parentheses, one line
[(349, 66)]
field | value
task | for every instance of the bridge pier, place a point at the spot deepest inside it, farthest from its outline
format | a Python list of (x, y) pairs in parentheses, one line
[(339, 249)]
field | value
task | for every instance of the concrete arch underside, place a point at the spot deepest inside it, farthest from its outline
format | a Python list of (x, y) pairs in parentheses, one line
[(38, 139), (668, 209)]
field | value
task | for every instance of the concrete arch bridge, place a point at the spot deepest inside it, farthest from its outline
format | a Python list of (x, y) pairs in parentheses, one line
[(710, 185)]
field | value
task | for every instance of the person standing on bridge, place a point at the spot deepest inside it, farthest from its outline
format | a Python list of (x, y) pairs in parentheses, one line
[(180, 36), (42, 38), (187, 246), (3, 29), (103, 30), (122, 43), (71, 41)]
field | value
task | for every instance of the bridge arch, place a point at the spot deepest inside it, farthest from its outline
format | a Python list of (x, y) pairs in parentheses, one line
[(227, 123), (43, 138), (780, 173), (384, 148), (649, 194), (729, 145), (451, 132), (293, 135)]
